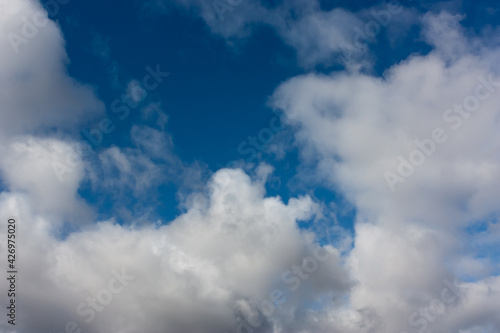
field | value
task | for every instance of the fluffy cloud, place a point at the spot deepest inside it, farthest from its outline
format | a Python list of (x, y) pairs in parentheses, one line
[(36, 95), (193, 274), (36, 92), (49, 171), (379, 141), (430, 121)]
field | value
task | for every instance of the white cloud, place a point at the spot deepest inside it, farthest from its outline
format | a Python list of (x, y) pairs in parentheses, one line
[(189, 275), (49, 171), (37, 95), (135, 92), (319, 36), (35, 90), (316, 35), (354, 127), (232, 245), (138, 169), (127, 169)]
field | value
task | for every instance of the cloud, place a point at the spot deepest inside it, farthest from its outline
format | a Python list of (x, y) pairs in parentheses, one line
[(140, 168), (100, 47), (126, 169), (152, 109), (356, 128), (318, 36), (36, 96), (206, 264), (219, 265), (49, 172), (344, 116), (36, 92)]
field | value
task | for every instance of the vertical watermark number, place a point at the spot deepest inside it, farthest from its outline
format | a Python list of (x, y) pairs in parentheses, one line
[(11, 270)]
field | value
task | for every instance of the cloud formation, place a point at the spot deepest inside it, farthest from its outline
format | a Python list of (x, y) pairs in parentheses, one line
[(317, 36), (359, 131), (413, 151), (208, 264), (36, 91)]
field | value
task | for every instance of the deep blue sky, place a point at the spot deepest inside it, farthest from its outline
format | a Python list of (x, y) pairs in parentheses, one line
[(216, 94)]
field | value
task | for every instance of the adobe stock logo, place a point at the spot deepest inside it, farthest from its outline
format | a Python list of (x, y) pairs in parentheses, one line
[(454, 117), (449, 296)]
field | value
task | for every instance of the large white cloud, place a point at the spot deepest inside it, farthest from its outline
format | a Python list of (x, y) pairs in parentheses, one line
[(234, 245), (357, 129), (37, 96), (195, 274)]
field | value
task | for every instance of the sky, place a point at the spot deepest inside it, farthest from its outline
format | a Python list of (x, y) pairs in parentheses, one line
[(279, 166)]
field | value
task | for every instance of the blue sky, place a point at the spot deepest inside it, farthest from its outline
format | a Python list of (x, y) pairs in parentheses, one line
[(210, 111), (214, 149), (216, 101)]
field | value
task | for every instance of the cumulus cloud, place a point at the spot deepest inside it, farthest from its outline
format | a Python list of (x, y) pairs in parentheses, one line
[(430, 121), (413, 151), (194, 274)]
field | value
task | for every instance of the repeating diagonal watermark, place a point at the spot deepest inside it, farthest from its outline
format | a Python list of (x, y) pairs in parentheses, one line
[(256, 311), (435, 308), (454, 117)]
